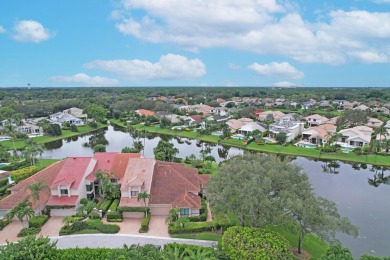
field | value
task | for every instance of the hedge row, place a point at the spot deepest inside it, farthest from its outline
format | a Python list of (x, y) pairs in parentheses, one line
[(4, 189), (193, 227), (133, 209), (145, 224), (114, 216), (93, 215), (29, 231), (104, 204), (95, 224), (37, 221), (15, 166), (114, 205), (23, 173)]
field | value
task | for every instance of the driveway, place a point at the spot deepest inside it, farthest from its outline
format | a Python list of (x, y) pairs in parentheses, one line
[(11, 231), (52, 227), (127, 226), (158, 227)]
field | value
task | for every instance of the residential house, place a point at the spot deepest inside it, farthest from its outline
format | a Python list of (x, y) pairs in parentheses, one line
[(76, 112), (30, 127), (221, 111), (144, 112), (355, 137), (383, 110), (201, 109), (195, 119), (293, 128), (19, 192), (250, 127), (361, 107), (348, 105), (61, 117), (318, 134), (324, 104), (235, 124), (307, 104), (276, 115), (175, 185), (333, 120), (173, 118), (374, 103), (218, 119), (315, 120), (374, 122)]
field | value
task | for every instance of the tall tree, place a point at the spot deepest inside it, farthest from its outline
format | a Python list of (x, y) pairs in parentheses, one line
[(10, 129), (144, 196), (165, 151), (35, 190), (97, 112)]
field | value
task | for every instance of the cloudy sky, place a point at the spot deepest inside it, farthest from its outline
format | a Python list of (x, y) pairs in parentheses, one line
[(195, 43)]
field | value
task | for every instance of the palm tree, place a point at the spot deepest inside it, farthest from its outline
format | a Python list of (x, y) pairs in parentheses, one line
[(10, 129), (381, 131), (144, 196), (173, 254), (36, 189), (23, 210), (173, 215)]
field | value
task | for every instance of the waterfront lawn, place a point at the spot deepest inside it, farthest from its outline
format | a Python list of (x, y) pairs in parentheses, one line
[(45, 139), (233, 142), (270, 148), (311, 243), (209, 138), (300, 151)]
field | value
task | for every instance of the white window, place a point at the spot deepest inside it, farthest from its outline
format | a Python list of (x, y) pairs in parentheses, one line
[(134, 193)]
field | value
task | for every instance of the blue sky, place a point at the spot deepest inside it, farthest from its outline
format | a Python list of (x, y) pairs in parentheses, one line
[(67, 43)]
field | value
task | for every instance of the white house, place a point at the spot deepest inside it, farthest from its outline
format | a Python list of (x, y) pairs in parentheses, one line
[(355, 137), (250, 127), (316, 119)]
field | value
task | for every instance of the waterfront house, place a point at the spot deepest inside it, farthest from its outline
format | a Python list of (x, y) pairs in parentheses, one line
[(318, 134), (61, 117), (357, 136), (315, 120)]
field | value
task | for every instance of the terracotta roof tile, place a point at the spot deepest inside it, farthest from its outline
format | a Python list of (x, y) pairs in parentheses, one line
[(72, 171), (120, 163), (173, 181), (62, 201), (19, 191), (131, 202)]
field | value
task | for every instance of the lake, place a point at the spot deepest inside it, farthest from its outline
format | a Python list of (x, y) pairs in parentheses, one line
[(359, 190)]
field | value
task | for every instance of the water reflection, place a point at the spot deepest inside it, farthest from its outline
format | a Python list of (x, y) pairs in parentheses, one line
[(96, 138), (53, 145), (331, 167), (379, 176)]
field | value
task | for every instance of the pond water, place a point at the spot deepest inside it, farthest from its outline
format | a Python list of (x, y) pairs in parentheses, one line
[(360, 191)]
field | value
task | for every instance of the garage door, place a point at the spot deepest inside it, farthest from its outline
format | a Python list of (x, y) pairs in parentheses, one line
[(62, 212), (160, 211)]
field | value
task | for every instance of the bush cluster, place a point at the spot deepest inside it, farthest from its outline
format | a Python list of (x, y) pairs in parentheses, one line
[(133, 209), (37, 221), (203, 213), (108, 228), (23, 173), (29, 231), (193, 227), (145, 224), (93, 215), (114, 216), (95, 224), (104, 204), (15, 166)]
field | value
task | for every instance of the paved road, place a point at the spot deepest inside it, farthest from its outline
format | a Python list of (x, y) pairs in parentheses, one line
[(118, 240)]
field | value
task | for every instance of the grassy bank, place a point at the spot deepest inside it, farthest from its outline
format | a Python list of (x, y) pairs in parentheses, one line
[(45, 139), (269, 148)]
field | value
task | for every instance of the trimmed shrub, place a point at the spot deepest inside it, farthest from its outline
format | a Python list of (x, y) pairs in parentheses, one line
[(183, 247), (3, 223), (114, 216), (29, 231), (203, 213), (114, 205), (254, 243), (145, 224), (24, 173), (93, 224), (3, 182), (192, 227), (108, 228), (37, 221), (93, 215), (83, 201), (133, 209), (104, 204), (4, 189)]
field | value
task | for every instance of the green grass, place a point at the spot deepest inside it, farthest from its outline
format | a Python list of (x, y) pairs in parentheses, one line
[(311, 243), (202, 236), (45, 139), (43, 163), (87, 231)]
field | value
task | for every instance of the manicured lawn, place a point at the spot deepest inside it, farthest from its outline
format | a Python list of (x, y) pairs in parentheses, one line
[(43, 163), (201, 236), (87, 231), (45, 139), (311, 243), (209, 138)]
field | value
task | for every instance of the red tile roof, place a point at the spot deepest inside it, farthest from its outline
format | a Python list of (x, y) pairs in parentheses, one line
[(138, 173), (145, 112), (104, 162), (72, 172), (62, 201), (176, 184), (197, 118), (120, 163), (131, 202), (19, 192)]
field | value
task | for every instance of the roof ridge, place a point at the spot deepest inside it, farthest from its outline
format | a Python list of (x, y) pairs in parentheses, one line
[(181, 176)]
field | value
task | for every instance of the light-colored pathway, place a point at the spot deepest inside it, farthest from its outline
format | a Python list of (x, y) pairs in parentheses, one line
[(127, 226), (117, 241), (158, 227), (11, 231), (209, 215), (52, 227)]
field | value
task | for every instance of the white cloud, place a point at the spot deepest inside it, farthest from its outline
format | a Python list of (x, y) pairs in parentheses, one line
[(369, 57), (275, 69), (2, 29), (284, 84), (30, 31), (85, 79), (263, 27), (169, 67)]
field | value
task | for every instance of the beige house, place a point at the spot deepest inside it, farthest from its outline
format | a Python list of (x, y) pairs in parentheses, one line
[(356, 137), (275, 114), (318, 134), (315, 120)]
